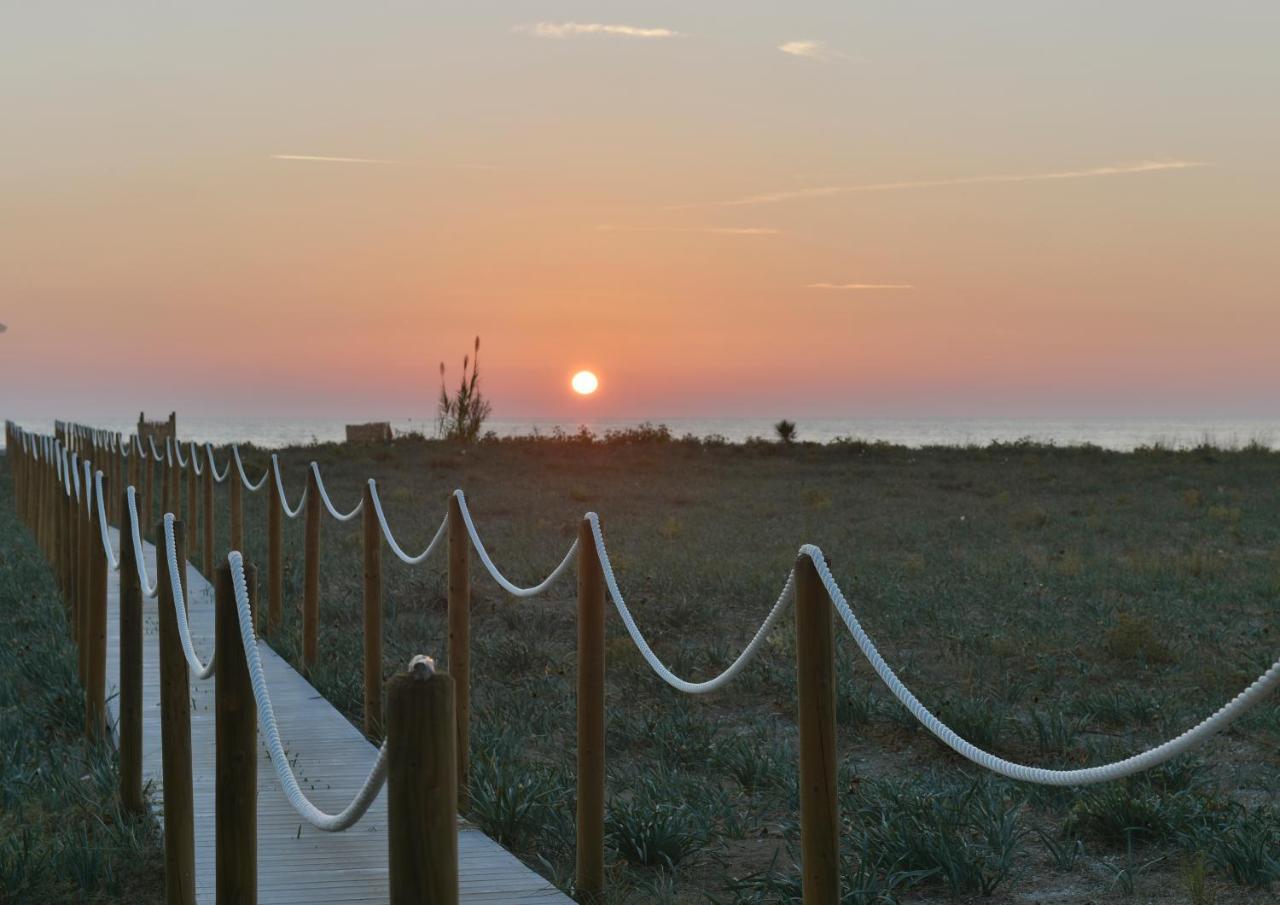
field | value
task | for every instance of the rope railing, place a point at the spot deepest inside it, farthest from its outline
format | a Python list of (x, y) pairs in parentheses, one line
[(328, 503), (820, 589), (244, 478), (330, 823), (390, 538), (511, 588), (290, 512), (213, 467)]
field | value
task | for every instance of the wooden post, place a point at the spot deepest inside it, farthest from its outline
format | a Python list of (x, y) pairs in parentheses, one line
[(816, 692), (130, 724), (236, 528), (175, 735), (311, 574), (95, 697), (275, 554), (591, 777), (148, 487), (193, 501), (84, 571), (207, 534), (422, 804), (236, 755), (372, 617), (460, 640)]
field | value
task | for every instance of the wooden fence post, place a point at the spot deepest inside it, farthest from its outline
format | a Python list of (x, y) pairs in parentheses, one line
[(236, 755), (208, 515), (148, 488), (193, 502), (311, 574), (83, 571), (175, 735), (816, 693), (422, 803), (236, 528), (591, 728), (372, 617), (275, 553), (130, 725), (95, 698), (460, 640)]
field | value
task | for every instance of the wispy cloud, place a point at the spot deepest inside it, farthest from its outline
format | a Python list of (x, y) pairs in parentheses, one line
[(316, 158), (812, 50), (575, 29), (859, 286), (1149, 166), (719, 230)]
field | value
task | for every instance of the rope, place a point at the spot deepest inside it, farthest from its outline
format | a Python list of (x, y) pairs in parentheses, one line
[(148, 589), (155, 453), (176, 448), (217, 478), (284, 503), (244, 478), (779, 607), (64, 473), (267, 720), (514, 590), (328, 504), (75, 473), (1194, 736), (136, 442), (195, 459), (201, 670), (391, 541), (112, 559)]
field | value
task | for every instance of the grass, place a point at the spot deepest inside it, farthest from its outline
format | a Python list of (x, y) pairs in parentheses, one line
[(63, 835), (1064, 606)]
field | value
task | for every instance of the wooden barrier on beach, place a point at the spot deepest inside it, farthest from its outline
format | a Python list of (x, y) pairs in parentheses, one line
[(426, 720)]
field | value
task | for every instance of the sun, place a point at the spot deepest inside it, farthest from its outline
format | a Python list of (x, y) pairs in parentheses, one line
[(584, 383)]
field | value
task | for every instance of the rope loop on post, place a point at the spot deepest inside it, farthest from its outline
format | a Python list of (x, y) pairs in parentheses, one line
[(284, 502), (244, 478)]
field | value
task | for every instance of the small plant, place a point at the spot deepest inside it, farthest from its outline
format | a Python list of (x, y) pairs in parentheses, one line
[(462, 415), (649, 831), (786, 431)]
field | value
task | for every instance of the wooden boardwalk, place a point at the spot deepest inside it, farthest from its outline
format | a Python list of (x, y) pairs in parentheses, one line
[(296, 863)]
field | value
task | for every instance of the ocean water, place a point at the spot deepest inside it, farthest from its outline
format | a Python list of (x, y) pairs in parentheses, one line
[(1121, 434)]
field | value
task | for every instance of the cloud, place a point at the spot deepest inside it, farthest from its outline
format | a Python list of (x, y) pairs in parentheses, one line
[(720, 230), (574, 29), (812, 50), (859, 286), (1149, 166), (313, 157)]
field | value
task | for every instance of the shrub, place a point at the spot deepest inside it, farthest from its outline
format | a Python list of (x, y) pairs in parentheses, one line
[(462, 415)]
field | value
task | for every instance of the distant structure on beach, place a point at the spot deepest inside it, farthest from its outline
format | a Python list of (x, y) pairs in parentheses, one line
[(373, 432)]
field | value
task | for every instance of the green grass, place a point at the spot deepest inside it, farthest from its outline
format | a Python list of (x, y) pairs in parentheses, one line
[(63, 835), (1064, 606)]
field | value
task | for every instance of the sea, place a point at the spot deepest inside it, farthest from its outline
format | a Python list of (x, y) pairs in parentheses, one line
[(1115, 433)]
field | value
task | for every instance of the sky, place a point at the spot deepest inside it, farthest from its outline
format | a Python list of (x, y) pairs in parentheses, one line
[(734, 207)]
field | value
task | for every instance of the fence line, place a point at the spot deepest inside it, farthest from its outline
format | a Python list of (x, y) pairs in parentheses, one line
[(61, 508)]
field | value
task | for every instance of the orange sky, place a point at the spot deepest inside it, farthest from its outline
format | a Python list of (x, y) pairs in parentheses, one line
[(1074, 203)]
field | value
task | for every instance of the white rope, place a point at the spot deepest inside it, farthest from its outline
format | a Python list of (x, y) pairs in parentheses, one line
[(75, 473), (112, 559), (176, 447), (244, 478), (155, 453), (200, 670), (148, 588), (328, 504), (779, 607), (284, 503), (64, 473), (391, 541), (136, 442), (267, 720), (195, 459), (1194, 736), (213, 467), (58, 458), (88, 487), (514, 590)]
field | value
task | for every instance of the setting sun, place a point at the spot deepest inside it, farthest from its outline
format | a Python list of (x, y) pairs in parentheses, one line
[(584, 383)]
